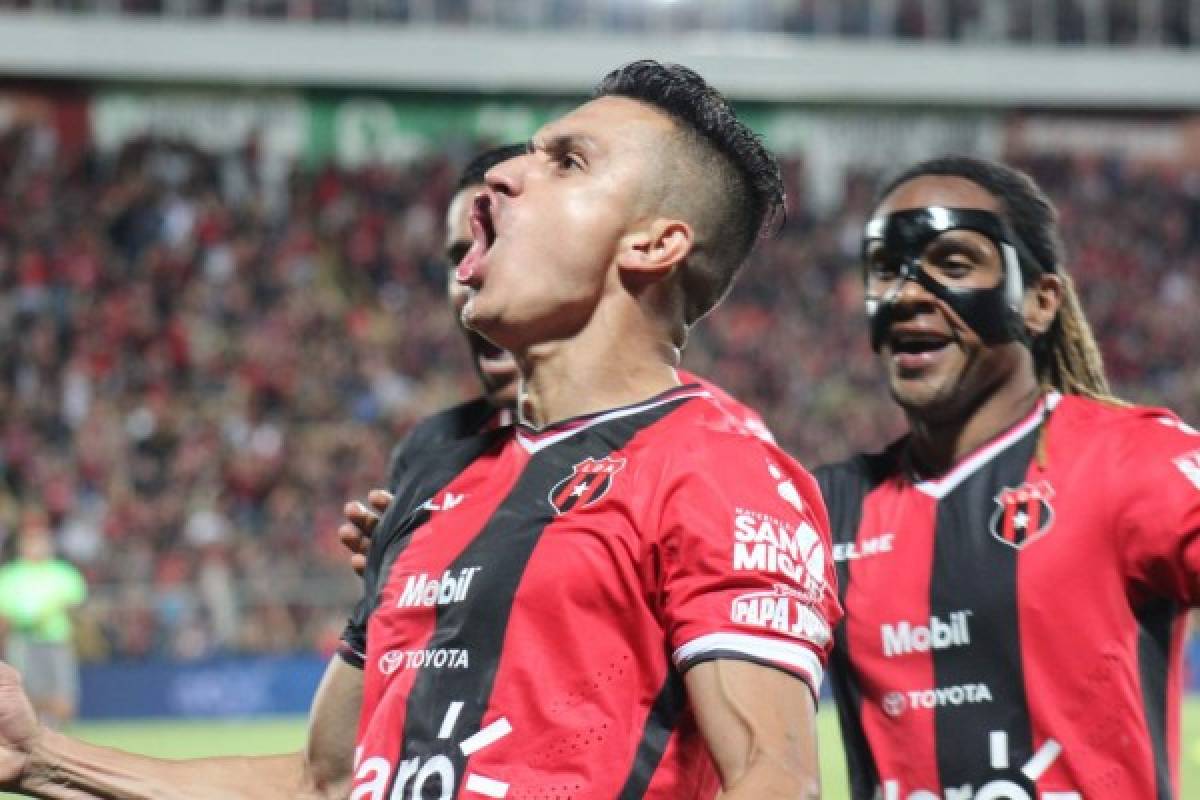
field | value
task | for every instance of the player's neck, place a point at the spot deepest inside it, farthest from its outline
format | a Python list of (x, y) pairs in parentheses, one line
[(938, 444), (603, 367)]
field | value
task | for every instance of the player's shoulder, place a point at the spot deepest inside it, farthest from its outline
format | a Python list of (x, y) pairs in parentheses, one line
[(715, 427), (452, 424), (1127, 426), (739, 412), (456, 422), (859, 474), (705, 439)]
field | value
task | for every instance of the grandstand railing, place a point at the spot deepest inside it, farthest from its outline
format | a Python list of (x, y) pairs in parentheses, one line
[(1097, 23)]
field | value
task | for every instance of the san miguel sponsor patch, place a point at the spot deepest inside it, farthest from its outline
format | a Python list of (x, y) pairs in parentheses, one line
[(589, 480), (1023, 513)]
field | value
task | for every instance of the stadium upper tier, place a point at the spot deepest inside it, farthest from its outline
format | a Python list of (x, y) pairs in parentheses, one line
[(1104, 23)]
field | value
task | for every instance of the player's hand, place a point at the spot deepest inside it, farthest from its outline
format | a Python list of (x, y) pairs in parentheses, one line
[(361, 519), (19, 729)]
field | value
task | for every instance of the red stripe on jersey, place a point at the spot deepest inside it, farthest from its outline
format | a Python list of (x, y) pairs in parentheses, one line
[(411, 592), (1008, 530), (887, 595), (1092, 704), (1035, 517)]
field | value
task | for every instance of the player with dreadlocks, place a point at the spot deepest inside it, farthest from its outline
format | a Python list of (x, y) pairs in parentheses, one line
[(1015, 569)]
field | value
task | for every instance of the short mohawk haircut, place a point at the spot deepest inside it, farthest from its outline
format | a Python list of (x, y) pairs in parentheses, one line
[(737, 167)]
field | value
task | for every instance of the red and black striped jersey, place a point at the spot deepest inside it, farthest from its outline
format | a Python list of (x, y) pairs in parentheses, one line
[(1014, 628), (533, 614), (440, 445)]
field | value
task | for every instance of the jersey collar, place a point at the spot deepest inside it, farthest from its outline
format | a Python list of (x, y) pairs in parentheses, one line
[(940, 487), (535, 439)]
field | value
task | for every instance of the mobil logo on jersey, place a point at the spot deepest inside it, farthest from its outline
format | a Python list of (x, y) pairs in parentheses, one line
[(904, 638), (589, 480), (1023, 513)]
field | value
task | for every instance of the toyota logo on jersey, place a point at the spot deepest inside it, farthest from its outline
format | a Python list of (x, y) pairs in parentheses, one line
[(1022, 514), (589, 480)]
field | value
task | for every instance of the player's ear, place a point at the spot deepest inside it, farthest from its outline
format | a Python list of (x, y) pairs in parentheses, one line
[(1043, 298), (652, 251)]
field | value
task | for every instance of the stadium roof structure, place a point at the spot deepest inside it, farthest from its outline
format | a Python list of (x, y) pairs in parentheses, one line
[(748, 66)]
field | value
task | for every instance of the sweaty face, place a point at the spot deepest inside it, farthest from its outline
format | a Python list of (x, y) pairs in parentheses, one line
[(496, 368), (548, 228), (937, 367)]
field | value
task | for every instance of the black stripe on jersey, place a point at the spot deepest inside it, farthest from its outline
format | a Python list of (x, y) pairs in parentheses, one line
[(1154, 640), (505, 546), (964, 549), (844, 488), (664, 716), (420, 482)]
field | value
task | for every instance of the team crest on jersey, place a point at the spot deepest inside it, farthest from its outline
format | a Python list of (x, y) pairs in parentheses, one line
[(1023, 513), (589, 480)]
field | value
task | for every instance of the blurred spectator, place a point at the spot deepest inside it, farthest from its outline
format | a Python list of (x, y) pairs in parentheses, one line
[(195, 374), (38, 592)]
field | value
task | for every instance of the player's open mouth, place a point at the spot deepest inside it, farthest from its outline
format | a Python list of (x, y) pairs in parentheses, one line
[(914, 348), (483, 232)]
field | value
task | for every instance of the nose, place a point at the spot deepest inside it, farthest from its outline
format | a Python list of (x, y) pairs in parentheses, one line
[(507, 176), (907, 297)]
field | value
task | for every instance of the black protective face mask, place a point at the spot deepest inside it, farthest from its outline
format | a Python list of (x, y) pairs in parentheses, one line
[(994, 314)]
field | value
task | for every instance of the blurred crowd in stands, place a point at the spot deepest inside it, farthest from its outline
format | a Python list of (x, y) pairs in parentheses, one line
[(1171, 23), (199, 366)]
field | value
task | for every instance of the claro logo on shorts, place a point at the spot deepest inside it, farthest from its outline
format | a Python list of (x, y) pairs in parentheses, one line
[(904, 638)]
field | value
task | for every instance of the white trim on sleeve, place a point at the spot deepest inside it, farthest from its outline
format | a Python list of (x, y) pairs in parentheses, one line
[(791, 656)]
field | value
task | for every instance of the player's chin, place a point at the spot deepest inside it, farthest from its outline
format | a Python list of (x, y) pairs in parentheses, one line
[(918, 393)]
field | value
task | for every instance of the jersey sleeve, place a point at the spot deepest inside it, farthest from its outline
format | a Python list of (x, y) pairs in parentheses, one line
[(1159, 532), (746, 570), (353, 645)]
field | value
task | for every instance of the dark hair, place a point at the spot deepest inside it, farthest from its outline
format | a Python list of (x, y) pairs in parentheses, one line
[(1066, 357), (477, 167), (1030, 213), (738, 180)]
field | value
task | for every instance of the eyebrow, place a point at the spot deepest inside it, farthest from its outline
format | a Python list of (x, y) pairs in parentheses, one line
[(562, 142), (960, 238)]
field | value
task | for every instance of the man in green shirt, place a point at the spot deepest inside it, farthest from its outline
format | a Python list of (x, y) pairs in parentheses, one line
[(37, 592)]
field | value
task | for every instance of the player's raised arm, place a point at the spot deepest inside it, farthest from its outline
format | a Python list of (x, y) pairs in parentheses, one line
[(758, 723), (38, 762)]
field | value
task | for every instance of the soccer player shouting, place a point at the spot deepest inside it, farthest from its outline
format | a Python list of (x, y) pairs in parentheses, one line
[(629, 594), (1014, 569)]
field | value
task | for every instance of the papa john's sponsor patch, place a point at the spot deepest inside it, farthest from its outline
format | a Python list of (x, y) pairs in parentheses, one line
[(781, 609), (589, 480), (766, 544)]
